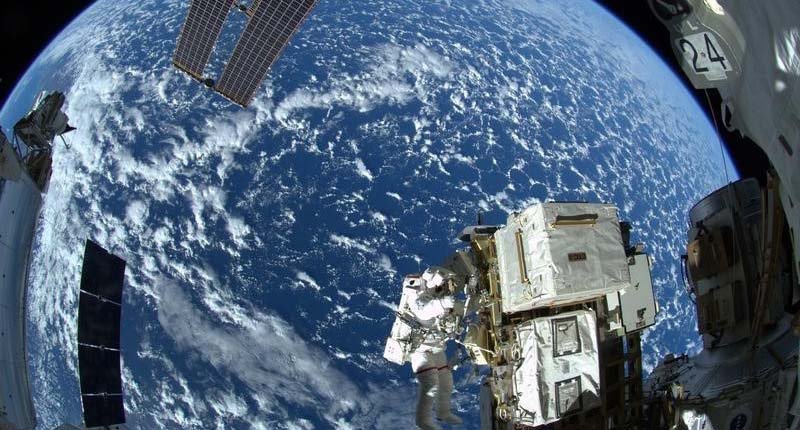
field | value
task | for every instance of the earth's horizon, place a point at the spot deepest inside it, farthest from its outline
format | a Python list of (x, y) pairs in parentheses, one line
[(266, 245)]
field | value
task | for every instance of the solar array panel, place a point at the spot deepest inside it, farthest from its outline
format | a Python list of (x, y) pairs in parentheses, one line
[(100, 370), (98, 321), (103, 273), (271, 25), (99, 313), (103, 409), (199, 34)]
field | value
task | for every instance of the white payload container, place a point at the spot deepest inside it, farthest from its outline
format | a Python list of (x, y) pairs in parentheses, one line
[(560, 253), (557, 371)]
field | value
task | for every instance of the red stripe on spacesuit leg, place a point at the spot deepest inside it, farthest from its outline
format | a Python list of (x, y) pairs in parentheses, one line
[(425, 370), (443, 367)]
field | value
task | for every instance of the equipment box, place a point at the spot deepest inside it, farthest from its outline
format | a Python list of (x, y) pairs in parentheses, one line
[(557, 370), (560, 253)]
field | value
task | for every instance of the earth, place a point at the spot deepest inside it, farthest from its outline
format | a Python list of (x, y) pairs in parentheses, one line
[(266, 246)]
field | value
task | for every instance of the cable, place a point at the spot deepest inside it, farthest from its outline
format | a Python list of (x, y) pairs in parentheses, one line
[(719, 138), (687, 286), (727, 179)]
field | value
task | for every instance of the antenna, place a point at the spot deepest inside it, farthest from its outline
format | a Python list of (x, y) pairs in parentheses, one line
[(44, 122), (64, 141), (33, 140)]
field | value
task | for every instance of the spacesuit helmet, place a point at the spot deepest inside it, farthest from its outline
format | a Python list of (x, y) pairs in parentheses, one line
[(414, 281), (437, 279)]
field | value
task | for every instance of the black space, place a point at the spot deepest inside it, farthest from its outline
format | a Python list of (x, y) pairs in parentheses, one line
[(748, 158), (28, 26)]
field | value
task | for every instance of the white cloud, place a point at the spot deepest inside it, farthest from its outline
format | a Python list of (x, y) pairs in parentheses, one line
[(362, 170), (379, 217), (300, 424), (394, 196), (385, 263), (348, 243), (239, 230), (384, 80), (306, 280), (295, 372), (226, 403), (136, 213)]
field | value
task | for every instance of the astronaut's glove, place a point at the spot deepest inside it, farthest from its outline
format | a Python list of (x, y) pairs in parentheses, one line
[(458, 308), (472, 283), (447, 302), (455, 328)]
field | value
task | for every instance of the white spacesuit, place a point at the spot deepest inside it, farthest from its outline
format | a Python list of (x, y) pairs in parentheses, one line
[(431, 303)]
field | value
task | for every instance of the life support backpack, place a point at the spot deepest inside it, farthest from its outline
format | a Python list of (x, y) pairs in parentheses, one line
[(404, 337)]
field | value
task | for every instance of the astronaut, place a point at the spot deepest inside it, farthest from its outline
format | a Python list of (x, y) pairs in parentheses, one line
[(432, 305)]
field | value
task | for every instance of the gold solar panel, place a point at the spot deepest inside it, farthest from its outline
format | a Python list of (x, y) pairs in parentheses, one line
[(253, 6), (271, 26), (199, 34)]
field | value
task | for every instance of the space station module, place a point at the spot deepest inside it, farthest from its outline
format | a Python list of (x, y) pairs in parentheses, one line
[(564, 297), (555, 303), (738, 269)]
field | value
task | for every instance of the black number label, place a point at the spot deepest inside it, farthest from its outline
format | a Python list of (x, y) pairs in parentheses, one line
[(711, 48), (684, 43), (711, 53)]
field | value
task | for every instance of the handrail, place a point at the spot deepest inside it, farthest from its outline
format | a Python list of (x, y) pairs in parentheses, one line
[(573, 220), (523, 269)]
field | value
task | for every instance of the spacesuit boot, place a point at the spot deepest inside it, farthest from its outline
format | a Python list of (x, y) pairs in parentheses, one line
[(443, 413), (428, 381)]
